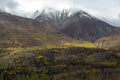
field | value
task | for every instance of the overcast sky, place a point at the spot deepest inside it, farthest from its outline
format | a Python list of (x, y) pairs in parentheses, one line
[(109, 9)]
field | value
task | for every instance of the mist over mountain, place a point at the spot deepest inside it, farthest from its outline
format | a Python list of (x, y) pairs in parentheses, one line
[(112, 21), (77, 24)]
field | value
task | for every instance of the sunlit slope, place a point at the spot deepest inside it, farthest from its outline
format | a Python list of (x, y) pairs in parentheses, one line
[(109, 42)]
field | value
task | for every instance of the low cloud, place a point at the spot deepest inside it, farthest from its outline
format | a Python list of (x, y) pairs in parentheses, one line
[(8, 5), (109, 9)]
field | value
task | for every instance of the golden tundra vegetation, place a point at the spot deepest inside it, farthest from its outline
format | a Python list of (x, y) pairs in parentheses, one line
[(71, 61)]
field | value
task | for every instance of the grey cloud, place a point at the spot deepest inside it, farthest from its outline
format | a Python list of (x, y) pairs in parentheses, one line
[(117, 1), (8, 4)]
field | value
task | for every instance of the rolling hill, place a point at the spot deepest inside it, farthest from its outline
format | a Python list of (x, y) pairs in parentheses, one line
[(109, 42), (23, 32), (17, 31)]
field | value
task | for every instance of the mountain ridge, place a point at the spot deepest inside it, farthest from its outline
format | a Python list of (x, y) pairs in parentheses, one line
[(79, 26), (78, 23)]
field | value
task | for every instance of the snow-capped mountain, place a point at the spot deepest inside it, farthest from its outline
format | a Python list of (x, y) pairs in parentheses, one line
[(76, 24), (58, 17), (55, 17), (82, 25)]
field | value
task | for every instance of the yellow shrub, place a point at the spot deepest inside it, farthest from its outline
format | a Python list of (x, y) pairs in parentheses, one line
[(108, 64), (118, 54), (85, 44), (39, 57)]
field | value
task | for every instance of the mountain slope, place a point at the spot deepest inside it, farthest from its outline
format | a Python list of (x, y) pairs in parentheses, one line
[(79, 24), (22, 32), (82, 25), (109, 42)]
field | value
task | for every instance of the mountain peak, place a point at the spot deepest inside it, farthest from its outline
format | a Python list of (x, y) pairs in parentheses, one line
[(59, 17), (82, 15)]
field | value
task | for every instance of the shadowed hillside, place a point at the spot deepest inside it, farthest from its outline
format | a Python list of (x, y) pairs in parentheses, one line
[(82, 25)]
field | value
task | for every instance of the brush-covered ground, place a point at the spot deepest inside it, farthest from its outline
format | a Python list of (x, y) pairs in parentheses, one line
[(64, 62)]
